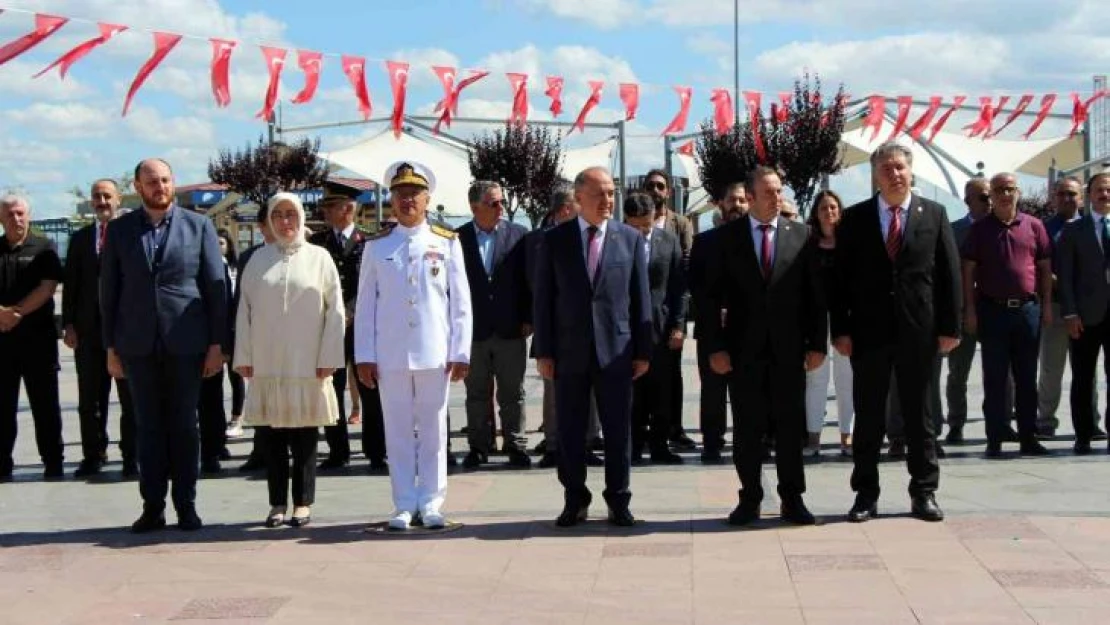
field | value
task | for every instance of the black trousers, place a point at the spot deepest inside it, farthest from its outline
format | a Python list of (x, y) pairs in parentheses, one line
[(213, 417), (674, 366), (713, 402), (768, 396), (373, 426), (1084, 360), (912, 363), (612, 388), (301, 444), (166, 391), (238, 391), (652, 419), (36, 366), (94, 389)]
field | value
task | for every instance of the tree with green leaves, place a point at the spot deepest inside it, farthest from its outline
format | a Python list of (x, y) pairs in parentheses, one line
[(525, 161), (258, 172)]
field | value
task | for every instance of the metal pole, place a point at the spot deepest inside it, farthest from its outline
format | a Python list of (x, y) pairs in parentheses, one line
[(668, 165), (622, 169), (736, 57)]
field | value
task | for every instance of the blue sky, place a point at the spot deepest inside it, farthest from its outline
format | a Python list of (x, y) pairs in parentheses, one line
[(54, 134)]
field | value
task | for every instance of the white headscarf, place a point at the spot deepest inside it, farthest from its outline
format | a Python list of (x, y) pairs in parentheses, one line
[(286, 245)]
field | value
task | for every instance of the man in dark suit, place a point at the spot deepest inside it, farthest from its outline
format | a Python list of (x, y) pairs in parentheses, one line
[(257, 458), (344, 241), (651, 395), (593, 336), (495, 269), (81, 320), (765, 276), (163, 308), (1082, 258), (714, 386), (896, 303)]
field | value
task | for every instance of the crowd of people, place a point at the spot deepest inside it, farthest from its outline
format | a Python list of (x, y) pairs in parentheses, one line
[(872, 297)]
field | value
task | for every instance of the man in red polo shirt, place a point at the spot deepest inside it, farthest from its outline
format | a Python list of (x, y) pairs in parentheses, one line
[(1007, 266)]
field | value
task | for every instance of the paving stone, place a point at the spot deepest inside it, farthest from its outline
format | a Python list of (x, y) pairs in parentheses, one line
[(220, 608)]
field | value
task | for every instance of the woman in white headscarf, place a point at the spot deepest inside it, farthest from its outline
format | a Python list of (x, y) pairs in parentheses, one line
[(289, 341)]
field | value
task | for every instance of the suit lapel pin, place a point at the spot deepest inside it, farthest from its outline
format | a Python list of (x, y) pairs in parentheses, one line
[(919, 209)]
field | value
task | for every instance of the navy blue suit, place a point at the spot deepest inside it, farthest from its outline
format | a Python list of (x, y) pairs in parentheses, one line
[(593, 331), (161, 314)]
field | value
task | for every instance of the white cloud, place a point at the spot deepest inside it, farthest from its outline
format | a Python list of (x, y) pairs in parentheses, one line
[(61, 121), (605, 14), (18, 81), (150, 125)]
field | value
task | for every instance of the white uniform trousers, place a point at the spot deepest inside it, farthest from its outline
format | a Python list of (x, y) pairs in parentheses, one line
[(414, 407), (817, 393)]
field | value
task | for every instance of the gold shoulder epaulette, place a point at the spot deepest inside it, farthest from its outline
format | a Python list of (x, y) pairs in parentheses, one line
[(383, 231), (446, 233)]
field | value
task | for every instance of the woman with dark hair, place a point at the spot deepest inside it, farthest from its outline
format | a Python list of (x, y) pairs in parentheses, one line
[(231, 263), (822, 222)]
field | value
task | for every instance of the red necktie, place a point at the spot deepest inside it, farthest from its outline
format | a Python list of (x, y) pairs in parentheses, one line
[(102, 238), (765, 250), (894, 233)]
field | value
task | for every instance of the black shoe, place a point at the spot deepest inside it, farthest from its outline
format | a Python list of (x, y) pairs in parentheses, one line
[(597, 444), (1098, 435), (1011, 436), (540, 448), (377, 465), (211, 466), (87, 468), (474, 459), (681, 441), (130, 469), (863, 510), (955, 436), (188, 521), (621, 517), (252, 464), (300, 521), (1033, 447), (744, 514), (994, 450), (225, 454), (452, 461), (1082, 447), (665, 456), (793, 510), (149, 521), (711, 456), (54, 471), (519, 459), (573, 514), (548, 460), (896, 451), (331, 464), (925, 507), (940, 451), (638, 460), (594, 460)]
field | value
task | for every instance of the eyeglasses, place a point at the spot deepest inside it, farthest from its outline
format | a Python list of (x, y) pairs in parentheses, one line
[(1068, 193), (984, 197), (496, 203), (656, 185)]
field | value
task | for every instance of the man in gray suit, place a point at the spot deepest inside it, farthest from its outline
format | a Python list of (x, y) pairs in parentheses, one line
[(1083, 278)]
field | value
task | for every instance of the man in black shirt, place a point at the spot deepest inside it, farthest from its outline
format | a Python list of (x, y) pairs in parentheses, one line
[(29, 274)]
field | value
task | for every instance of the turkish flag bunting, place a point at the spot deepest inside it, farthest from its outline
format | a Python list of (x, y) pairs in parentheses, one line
[(45, 25), (922, 122), (450, 104), (310, 63), (686, 148), (678, 124), (724, 116), (555, 92), (519, 83), (1080, 109), (163, 44), (905, 102), (107, 31), (399, 83), (630, 96), (1047, 102), (355, 69), (987, 113), (447, 79), (781, 111), (591, 103), (947, 114), (221, 67), (754, 100), (874, 120), (1022, 104), (275, 61)]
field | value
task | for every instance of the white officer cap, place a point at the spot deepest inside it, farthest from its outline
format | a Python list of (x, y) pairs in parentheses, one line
[(410, 173)]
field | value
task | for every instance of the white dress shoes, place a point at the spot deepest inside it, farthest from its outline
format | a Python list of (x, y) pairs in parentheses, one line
[(434, 520), (400, 520)]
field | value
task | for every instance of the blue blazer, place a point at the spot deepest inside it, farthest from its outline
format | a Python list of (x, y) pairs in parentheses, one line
[(501, 302), (181, 302), (576, 320)]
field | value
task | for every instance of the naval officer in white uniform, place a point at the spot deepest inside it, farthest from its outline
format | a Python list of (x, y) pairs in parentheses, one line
[(413, 327)]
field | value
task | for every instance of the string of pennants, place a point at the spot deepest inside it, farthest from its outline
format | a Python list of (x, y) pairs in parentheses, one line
[(311, 63)]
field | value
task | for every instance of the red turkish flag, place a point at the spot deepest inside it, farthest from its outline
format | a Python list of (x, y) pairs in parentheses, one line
[(1047, 102), (781, 111), (399, 83), (221, 67), (724, 116), (310, 63), (905, 102), (591, 103), (1080, 109), (450, 104), (163, 45), (555, 92), (447, 79), (923, 122), (519, 83), (107, 31), (753, 99), (355, 69), (947, 114), (275, 61), (678, 124), (1022, 104), (686, 148), (987, 113), (874, 120), (45, 25), (630, 96)]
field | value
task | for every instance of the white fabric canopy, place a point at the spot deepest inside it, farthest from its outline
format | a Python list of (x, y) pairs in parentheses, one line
[(600, 155)]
